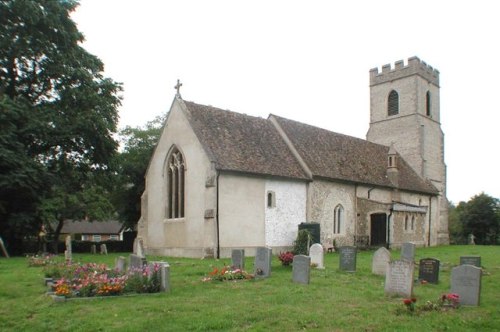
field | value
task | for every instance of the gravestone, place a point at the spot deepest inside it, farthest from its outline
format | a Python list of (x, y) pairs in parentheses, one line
[(68, 253), (316, 252), (471, 260), (238, 259), (381, 259), (408, 251), (428, 270), (136, 262), (399, 278), (263, 262), (466, 282), (301, 270), (120, 264), (138, 247), (104, 249), (347, 260), (93, 249), (163, 273)]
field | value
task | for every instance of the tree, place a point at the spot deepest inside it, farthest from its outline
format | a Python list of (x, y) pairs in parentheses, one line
[(132, 163), (481, 216), (59, 114)]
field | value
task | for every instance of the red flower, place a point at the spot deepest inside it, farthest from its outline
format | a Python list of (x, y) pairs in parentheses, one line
[(407, 301)]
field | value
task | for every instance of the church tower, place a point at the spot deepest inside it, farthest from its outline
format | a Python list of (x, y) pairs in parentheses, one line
[(405, 114)]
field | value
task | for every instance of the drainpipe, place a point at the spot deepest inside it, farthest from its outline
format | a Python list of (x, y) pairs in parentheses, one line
[(389, 229), (430, 218), (217, 217)]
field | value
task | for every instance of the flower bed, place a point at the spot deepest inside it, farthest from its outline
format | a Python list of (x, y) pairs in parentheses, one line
[(227, 273)]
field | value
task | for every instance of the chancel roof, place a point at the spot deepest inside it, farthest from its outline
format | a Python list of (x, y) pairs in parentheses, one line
[(243, 143)]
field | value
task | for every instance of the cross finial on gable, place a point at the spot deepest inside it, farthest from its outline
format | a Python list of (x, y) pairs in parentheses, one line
[(178, 87)]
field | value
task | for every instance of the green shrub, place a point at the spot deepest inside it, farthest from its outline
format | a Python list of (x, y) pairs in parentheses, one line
[(302, 243)]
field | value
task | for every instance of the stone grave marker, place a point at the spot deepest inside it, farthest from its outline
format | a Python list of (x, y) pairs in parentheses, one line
[(471, 260), (120, 264), (164, 274), (408, 251), (139, 247), (68, 253), (93, 249), (466, 282), (136, 261), (381, 259), (238, 258), (316, 252), (104, 249), (301, 269), (347, 260), (263, 262), (428, 270), (399, 278)]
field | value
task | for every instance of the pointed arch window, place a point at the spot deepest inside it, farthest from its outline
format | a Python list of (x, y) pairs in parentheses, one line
[(428, 103), (175, 185), (338, 219), (393, 103)]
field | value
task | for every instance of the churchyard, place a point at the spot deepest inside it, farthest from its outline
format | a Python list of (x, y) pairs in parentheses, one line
[(338, 297)]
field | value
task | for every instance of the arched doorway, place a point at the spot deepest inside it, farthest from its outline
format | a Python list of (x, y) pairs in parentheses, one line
[(378, 229)]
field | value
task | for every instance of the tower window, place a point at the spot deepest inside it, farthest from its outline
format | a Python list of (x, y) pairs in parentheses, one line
[(175, 185), (393, 103), (338, 219), (428, 103), (271, 199)]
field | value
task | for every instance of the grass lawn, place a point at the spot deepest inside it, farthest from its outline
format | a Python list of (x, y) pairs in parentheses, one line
[(334, 301)]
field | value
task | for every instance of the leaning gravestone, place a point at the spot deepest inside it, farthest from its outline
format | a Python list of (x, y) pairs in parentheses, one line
[(471, 260), (136, 262), (104, 249), (301, 270), (263, 262), (381, 259), (466, 282), (408, 251), (347, 261), (68, 254), (238, 258), (428, 270), (120, 264), (316, 252), (399, 278)]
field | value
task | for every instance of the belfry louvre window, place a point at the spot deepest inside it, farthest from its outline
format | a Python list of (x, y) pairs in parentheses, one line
[(175, 185), (393, 103)]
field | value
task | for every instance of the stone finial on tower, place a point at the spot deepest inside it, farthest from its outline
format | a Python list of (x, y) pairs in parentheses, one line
[(415, 66)]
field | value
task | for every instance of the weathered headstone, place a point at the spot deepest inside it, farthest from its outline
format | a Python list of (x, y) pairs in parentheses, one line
[(139, 247), (301, 270), (428, 270), (263, 262), (136, 261), (347, 260), (163, 270), (408, 251), (68, 254), (466, 282), (471, 260), (104, 249), (316, 252), (238, 258), (120, 264), (381, 259), (399, 278), (93, 249)]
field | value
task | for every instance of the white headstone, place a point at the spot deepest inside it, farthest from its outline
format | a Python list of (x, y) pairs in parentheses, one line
[(381, 259), (466, 282), (399, 278), (138, 247), (316, 252)]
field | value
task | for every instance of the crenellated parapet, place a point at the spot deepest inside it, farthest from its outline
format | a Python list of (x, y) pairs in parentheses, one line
[(415, 67)]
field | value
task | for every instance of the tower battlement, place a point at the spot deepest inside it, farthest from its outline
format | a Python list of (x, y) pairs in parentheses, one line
[(415, 66)]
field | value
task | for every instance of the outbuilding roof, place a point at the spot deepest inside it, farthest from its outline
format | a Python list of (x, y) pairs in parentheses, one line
[(91, 227)]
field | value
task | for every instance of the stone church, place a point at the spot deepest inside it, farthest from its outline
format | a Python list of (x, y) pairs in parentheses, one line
[(220, 180)]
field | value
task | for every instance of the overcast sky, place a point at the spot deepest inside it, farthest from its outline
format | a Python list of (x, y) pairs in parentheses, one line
[(308, 61)]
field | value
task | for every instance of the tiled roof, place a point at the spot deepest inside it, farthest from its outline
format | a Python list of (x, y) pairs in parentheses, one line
[(335, 156), (243, 143), (94, 227)]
